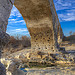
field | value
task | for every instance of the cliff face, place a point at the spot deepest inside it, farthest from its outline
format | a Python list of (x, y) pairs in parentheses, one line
[(41, 20)]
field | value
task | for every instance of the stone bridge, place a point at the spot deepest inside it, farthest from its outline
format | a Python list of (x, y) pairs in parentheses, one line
[(41, 20)]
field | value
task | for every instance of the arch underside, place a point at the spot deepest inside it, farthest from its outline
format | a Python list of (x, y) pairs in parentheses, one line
[(41, 20)]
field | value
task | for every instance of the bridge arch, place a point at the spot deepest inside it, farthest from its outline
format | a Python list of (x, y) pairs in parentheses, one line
[(41, 20)]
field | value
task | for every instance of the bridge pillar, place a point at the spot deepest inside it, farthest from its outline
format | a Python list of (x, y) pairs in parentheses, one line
[(40, 19)]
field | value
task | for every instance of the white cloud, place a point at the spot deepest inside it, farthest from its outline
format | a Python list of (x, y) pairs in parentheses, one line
[(18, 31), (16, 21), (69, 15), (21, 30), (15, 12), (64, 4), (69, 19), (65, 9), (11, 20)]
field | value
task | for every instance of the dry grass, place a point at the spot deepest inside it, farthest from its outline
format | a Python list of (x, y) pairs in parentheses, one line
[(70, 39), (68, 43), (17, 44)]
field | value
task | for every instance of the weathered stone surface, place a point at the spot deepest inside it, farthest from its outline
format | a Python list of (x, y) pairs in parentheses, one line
[(40, 23), (12, 70), (5, 9), (59, 32), (4, 38), (2, 69)]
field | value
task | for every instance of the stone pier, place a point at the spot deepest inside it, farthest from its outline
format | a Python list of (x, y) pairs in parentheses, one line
[(40, 18)]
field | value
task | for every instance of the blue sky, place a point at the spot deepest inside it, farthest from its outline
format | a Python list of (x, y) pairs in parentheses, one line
[(66, 14)]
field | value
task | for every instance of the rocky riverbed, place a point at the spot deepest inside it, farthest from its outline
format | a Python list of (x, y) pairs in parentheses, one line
[(40, 63), (51, 71)]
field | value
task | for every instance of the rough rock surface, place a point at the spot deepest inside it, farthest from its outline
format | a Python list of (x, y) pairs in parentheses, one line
[(4, 38), (5, 8), (13, 70), (60, 34), (2, 69), (59, 31)]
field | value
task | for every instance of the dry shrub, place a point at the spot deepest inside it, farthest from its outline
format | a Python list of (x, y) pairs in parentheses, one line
[(12, 40), (16, 44), (68, 41), (70, 38), (26, 41)]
